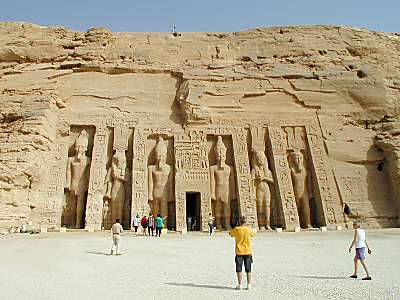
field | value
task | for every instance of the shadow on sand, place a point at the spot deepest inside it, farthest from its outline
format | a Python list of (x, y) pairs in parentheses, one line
[(322, 277), (200, 285), (99, 253)]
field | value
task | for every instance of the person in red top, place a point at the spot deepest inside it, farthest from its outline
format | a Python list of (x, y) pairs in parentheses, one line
[(144, 222)]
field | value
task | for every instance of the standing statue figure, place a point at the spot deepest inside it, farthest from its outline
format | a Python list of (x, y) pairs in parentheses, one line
[(159, 181), (77, 183), (262, 177), (222, 185), (301, 187), (116, 179)]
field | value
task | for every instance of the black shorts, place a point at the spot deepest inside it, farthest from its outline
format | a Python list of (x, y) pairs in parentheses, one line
[(246, 259)]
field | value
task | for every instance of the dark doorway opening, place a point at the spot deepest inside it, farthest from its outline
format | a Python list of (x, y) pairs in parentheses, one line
[(193, 211)]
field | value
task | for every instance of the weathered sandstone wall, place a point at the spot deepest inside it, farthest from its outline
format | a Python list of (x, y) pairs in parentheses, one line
[(346, 79)]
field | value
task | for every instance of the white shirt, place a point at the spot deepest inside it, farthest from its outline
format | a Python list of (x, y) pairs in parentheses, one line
[(136, 221), (117, 228), (360, 239)]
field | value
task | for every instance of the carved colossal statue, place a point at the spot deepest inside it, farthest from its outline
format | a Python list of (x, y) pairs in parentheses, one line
[(222, 185), (77, 181), (262, 177), (301, 187), (160, 181), (116, 179)]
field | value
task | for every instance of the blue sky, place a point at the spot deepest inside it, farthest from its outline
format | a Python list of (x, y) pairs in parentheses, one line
[(202, 15)]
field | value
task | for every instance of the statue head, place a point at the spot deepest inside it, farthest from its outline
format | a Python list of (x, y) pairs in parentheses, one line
[(161, 152), (81, 143), (119, 157), (259, 158), (220, 150), (296, 157)]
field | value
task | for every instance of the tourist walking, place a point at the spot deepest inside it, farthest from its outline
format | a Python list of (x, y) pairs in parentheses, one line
[(360, 243), (243, 250), (210, 223), (159, 225), (151, 224), (136, 221), (116, 230), (144, 223)]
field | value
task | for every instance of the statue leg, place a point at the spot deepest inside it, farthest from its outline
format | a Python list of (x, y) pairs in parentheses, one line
[(120, 199), (80, 208), (306, 213), (164, 208), (267, 211), (218, 213), (227, 211), (259, 198)]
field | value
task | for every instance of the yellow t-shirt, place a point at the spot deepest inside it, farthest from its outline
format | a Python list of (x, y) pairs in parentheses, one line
[(242, 235)]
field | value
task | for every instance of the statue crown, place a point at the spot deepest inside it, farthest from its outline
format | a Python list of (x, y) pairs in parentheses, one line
[(220, 146), (161, 147), (83, 139)]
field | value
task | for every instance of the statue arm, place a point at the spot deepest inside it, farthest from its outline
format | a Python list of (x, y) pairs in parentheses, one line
[(309, 185), (170, 184), (150, 183), (108, 183), (68, 175), (232, 185), (212, 183)]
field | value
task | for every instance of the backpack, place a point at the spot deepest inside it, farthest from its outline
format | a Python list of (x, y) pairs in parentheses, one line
[(144, 222)]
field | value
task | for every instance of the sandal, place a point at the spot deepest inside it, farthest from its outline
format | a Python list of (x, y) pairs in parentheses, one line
[(353, 276)]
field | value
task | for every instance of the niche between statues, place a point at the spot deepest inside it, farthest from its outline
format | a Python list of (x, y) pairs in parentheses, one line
[(117, 188), (80, 149), (309, 209), (160, 177), (223, 187), (264, 188)]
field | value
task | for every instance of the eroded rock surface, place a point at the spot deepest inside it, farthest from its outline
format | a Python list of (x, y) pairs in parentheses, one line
[(340, 85)]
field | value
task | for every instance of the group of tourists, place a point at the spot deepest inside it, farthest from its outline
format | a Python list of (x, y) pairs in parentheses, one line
[(243, 246), (149, 224)]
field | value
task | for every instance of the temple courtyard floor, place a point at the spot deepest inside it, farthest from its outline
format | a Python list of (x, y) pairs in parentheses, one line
[(306, 265)]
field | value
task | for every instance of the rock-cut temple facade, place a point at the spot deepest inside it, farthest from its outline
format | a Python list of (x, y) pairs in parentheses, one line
[(291, 127)]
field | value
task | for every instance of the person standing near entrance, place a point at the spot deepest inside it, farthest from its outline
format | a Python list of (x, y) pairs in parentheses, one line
[(159, 225), (210, 223), (243, 250), (189, 223), (144, 223), (360, 243), (136, 221), (151, 224), (116, 230)]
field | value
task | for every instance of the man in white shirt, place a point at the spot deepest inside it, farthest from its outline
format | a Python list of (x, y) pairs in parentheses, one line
[(116, 231), (360, 243)]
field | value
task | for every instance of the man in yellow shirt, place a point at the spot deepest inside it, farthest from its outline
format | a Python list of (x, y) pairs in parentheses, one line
[(243, 235)]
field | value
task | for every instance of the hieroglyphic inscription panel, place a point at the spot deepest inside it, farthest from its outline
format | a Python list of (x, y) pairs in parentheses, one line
[(192, 175), (246, 195), (140, 203), (94, 205), (53, 202), (325, 187), (280, 166)]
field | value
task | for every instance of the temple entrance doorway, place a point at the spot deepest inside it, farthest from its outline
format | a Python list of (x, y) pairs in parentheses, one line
[(193, 211)]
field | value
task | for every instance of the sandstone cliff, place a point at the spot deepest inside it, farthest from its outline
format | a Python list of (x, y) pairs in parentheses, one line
[(348, 77)]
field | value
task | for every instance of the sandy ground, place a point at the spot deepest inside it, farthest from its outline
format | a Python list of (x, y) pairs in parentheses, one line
[(307, 265)]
